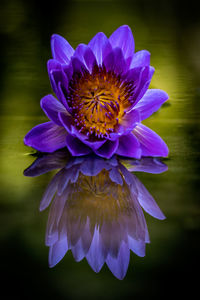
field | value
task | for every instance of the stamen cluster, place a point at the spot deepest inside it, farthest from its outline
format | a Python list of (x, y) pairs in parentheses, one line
[(99, 100)]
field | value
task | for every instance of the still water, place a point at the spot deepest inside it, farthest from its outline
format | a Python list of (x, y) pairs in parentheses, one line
[(172, 37)]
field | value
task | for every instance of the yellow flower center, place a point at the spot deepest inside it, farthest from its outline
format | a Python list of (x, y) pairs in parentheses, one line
[(99, 100)]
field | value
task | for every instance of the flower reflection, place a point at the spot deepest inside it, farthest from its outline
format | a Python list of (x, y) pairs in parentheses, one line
[(96, 209)]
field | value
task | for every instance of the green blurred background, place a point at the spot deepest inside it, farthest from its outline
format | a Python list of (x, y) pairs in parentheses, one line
[(170, 30)]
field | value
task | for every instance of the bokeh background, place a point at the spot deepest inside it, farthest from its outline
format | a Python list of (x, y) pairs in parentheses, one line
[(170, 30)]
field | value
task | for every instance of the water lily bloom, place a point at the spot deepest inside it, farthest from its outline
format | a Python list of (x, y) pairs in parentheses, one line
[(102, 97), (96, 209)]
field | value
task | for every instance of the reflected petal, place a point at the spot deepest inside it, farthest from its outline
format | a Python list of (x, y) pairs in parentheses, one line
[(78, 252), (97, 213), (119, 265), (57, 251), (147, 201), (95, 256)]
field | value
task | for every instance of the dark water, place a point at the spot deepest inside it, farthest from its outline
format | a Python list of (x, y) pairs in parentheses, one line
[(170, 30)]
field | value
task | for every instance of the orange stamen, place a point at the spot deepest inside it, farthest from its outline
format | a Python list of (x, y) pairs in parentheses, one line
[(99, 101)]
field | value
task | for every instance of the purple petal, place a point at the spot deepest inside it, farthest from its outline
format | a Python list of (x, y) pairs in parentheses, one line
[(95, 256), (147, 201), (46, 137), (54, 230), (137, 246), (120, 64), (115, 61), (140, 59), (49, 192), (129, 146), (80, 51), (78, 252), (118, 266), (61, 49), (76, 147), (47, 162), (92, 166), (61, 96), (151, 142), (53, 65), (150, 102), (115, 234), (90, 59), (54, 84), (133, 75), (78, 65), (139, 76), (68, 70), (68, 175), (74, 228), (57, 76), (109, 61), (67, 122), (86, 56), (126, 174), (94, 145), (51, 106), (143, 83), (57, 252), (148, 165), (108, 149), (100, 46), (115, 176), (129, 121), (87, 235), (59, 81), (123, 38), (136, 222)]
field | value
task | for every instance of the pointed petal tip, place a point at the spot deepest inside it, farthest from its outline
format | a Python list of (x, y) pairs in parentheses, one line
[(160, 215), (125, 26), (162, 94), (108, 149), (123, 37), (101, 34), (46, 137), (165, 150), (52, 261), (120, 277), (41, 208), (54, 35), (51, 265), (62, 51), (58, 37), (27, 140), (166, 96)]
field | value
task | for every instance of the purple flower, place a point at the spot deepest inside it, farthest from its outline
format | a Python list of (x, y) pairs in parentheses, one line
[(103, 95), (96, 209)]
